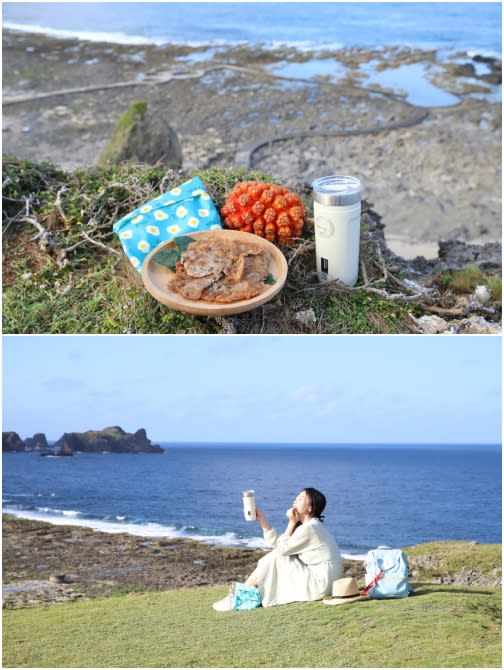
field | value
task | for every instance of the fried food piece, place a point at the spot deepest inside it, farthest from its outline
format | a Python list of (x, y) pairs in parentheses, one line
[(190, 287), (201, 260), (249, 248), (224, 291), (219, 270), (256, 267), (237, 269)]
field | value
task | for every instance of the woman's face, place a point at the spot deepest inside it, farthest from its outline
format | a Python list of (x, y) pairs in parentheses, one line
[(302, 504)]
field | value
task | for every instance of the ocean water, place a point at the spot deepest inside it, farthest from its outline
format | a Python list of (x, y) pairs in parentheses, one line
[(376, 496), (473, 26)]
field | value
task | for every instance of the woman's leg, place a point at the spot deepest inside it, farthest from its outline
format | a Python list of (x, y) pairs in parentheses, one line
[(261, 570), (252, 579)]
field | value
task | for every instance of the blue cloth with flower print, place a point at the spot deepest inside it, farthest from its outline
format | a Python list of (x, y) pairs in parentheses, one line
[(245, 597), (185, 209)]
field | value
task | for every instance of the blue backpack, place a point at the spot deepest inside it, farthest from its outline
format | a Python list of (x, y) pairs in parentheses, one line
[(387, 573)]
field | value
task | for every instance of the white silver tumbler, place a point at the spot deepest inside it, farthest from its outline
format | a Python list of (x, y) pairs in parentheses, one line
[(249, 511), (336, 213)]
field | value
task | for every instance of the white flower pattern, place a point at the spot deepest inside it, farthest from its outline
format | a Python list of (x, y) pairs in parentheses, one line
[(188, 204)]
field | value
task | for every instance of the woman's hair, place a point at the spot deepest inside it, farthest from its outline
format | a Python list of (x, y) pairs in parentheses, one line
[(317, 502)]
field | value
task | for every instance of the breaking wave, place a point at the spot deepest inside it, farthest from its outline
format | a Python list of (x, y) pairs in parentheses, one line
[(121, 524)]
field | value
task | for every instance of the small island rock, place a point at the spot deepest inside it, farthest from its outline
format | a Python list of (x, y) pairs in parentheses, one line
[(113, 439), (12, 442), (37, 443)]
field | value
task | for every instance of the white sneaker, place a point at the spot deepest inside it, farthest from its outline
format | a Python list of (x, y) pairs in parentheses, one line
[(224, 605)]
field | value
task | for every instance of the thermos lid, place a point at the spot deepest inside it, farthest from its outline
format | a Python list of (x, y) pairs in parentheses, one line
[(337, 190)]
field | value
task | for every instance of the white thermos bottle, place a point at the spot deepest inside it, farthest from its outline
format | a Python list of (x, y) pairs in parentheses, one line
[(249, 511), (336, 213)]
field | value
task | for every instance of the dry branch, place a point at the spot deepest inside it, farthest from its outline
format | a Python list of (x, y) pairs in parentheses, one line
[(100, 244), (59, 206), (47, 242)]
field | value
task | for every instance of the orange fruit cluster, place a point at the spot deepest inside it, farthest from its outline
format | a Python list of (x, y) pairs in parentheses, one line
[(268, 210)]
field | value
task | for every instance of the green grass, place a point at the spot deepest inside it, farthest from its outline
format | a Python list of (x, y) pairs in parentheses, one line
[(441, 558), (467, 279), (360, 312), (438, 626)]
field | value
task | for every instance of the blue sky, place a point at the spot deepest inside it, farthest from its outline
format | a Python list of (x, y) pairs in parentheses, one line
[(357, 389)]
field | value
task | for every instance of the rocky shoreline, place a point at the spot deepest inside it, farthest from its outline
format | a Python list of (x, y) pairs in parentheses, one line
[(432, 173), (44, 564)]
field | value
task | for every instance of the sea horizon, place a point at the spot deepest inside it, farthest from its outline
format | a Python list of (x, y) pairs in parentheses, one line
[(336, 445)]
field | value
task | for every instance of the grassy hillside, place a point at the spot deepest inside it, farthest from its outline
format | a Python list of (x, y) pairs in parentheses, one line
[(439, 626)]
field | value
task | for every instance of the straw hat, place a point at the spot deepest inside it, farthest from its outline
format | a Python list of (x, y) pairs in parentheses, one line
[(344, 590)]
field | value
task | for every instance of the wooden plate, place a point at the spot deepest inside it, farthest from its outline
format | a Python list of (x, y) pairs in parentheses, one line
[(156, 278)]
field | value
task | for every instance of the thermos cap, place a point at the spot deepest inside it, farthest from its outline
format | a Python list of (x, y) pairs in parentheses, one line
[(337, 190)]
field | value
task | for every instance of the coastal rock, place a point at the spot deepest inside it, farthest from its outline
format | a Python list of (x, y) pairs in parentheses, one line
[(452, 255), (37, 443), (60, 579), (495, 67), (145, 136), (66, 449), (431, 324), (113, 440), (468, 70), (455, 254), (464, 70), (12, 442), (481, 295), (477, 325)]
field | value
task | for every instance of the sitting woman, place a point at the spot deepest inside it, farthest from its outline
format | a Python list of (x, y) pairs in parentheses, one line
[(305, 560)]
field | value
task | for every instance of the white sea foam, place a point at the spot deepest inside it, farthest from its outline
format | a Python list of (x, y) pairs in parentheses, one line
[(127, 39), (116, 37), (354, 557), (72, 518), (83, 35), (150, 529)]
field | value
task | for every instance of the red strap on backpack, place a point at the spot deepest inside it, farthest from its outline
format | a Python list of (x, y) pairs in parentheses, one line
[(364, 592)]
